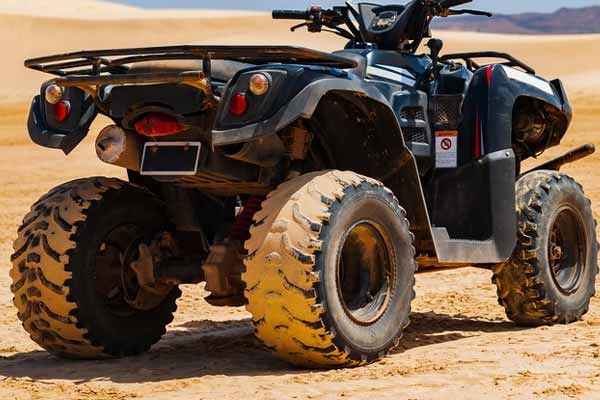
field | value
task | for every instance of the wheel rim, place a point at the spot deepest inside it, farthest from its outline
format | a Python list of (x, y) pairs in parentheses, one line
[(365, 272), (116, 282), (567, 249)]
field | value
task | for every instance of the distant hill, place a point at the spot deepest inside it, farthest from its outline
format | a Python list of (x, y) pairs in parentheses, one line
[(565, 21)]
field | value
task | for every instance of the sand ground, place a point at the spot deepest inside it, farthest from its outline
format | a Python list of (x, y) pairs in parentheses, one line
[(459, 345)]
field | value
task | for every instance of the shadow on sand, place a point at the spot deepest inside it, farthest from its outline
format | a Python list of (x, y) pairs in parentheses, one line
[(205, 348)]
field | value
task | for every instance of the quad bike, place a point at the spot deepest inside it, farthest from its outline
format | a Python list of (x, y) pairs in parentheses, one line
[(305, 185)]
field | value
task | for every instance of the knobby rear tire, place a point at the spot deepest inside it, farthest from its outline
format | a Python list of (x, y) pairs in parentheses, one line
[(296, 308), (54, 273)]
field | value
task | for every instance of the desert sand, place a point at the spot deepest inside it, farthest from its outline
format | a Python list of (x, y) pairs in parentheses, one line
[(459, 345)]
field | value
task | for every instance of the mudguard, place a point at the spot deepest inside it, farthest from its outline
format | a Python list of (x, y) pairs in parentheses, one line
[(296, 92), (490, 103), (45, 131), (483, 229), (305, 90)]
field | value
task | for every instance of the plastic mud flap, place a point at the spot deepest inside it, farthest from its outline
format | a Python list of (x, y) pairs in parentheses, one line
[(45, 131), (495, 172)]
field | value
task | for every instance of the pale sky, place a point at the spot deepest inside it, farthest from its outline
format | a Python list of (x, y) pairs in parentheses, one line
[(499, 6)]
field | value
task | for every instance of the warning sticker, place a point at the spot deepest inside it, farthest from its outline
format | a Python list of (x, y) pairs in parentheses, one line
[(446, 149)]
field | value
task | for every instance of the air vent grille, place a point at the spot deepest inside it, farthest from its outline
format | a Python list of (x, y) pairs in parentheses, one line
[(445, 110), (415, 135), (412, 113)]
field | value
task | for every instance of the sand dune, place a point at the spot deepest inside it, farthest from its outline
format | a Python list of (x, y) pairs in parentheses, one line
[(459, 344), (101, 10), (54, 29)]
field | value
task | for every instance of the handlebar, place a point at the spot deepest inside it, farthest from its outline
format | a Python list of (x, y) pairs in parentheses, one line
[(454, 3), (291, 14), (471, 12), (338, 20)]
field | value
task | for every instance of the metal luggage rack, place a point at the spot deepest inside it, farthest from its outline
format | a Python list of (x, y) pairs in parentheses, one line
[(472, 65), (89, 69)]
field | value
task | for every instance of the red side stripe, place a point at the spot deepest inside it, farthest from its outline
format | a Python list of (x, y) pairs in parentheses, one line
[(488, 74), (477, 136)]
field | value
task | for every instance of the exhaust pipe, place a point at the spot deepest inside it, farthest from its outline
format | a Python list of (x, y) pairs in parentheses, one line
[(114, 146)]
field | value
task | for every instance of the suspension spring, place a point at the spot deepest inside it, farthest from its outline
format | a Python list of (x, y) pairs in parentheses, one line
[(241, 229)]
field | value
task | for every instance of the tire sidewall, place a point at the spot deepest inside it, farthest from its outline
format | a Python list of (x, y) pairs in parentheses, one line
[(370, 203), (130, 333), (568, 194)]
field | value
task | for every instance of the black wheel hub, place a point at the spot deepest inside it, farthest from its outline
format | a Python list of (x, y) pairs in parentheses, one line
[(365, 273), (115, 281), (567, 250)]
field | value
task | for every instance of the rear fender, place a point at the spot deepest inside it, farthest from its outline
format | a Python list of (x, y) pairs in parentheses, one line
[(361, 134), (45, 131), (348, 115), (295, 93)]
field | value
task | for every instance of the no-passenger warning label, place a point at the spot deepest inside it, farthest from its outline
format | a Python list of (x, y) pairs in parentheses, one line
[(446, 149)]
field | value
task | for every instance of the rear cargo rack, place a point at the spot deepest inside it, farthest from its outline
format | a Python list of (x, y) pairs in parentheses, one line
[(117, 61), (472, 65), (89, 69)]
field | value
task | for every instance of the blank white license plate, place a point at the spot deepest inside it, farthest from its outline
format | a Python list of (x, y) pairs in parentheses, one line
[(170, 158)]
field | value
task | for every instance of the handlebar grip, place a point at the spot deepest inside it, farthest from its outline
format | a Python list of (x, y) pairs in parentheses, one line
[(291, 14), (454, 3)]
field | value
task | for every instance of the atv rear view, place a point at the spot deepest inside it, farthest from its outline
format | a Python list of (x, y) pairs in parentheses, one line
[(304, 185)]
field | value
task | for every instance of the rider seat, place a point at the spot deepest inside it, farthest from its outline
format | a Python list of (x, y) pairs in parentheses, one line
[(221, 70), (361, 60)]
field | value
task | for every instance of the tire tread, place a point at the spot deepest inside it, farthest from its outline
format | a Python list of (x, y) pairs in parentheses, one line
[(42, 274), (287, 236), (521, 289)]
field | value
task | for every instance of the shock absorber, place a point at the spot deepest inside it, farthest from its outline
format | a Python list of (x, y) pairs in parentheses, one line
[(224, 265), (241, 229)]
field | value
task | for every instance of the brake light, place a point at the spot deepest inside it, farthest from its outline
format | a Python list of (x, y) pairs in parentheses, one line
[(61, 111), (238, 105), (156, 125)]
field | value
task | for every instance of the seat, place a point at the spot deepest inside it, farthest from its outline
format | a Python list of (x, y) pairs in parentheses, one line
[(357, 57), (221, 70)]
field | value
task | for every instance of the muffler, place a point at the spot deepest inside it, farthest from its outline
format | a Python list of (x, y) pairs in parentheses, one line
[(117, 147)]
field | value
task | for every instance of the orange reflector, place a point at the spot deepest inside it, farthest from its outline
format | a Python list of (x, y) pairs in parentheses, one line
[(259, 84)]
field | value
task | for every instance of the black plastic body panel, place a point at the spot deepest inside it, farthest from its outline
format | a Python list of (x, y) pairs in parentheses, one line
[(45, 131), (472, 209), (411, 106), (260, 107), (183, 99), (290, 83), (491, 107), (292, 106)]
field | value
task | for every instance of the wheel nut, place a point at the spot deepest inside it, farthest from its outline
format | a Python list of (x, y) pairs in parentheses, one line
[(556, 252)]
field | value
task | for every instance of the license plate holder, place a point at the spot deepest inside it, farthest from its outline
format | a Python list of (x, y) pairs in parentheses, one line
[(170, 158)]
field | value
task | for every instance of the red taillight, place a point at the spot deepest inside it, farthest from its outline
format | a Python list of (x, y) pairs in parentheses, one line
[(61, 111), (238, 105), (154, 125)]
